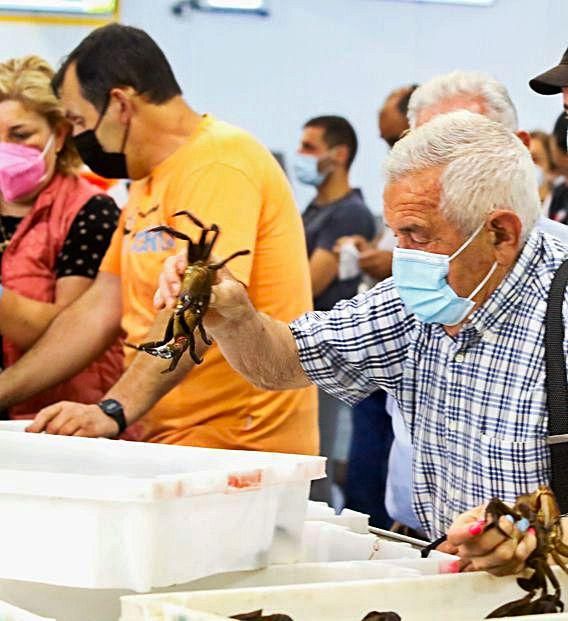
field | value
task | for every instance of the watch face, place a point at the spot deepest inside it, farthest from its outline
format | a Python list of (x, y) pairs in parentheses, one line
[(111, 406)]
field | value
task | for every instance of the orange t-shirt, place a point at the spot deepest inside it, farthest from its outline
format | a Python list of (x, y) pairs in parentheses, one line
[(223, 176)]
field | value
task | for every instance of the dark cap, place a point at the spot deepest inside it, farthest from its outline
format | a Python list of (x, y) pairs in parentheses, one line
[(552, 81)]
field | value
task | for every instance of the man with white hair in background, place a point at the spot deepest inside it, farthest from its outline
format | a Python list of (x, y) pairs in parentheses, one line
[(456, 336), (477, 92)]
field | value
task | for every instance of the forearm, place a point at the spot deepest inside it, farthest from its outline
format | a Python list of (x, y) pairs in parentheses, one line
[(263, 350), (75, 338), (323, 269), (320, 282), (144, 383), (23, 320)]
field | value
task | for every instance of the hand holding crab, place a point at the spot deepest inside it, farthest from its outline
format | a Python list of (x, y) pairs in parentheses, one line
[(506, 540), (193, 298)]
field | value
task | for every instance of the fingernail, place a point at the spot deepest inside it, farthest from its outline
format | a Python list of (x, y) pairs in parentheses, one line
[(531, 531), (453, 567), (510, 518), (523, 524), (477, 528)]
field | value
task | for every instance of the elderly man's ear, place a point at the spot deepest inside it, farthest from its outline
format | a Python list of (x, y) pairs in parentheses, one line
[(524, 137), (505, 230)]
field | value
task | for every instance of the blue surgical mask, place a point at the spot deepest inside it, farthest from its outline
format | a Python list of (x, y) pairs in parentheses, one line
[(306, 169), (421, 280)]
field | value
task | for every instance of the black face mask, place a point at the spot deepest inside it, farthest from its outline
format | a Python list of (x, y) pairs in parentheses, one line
[(108, 165)]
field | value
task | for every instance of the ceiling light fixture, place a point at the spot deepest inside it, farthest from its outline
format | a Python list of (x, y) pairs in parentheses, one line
[(258, 7)]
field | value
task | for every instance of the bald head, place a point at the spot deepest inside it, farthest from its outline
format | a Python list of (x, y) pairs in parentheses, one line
[(392, 120)]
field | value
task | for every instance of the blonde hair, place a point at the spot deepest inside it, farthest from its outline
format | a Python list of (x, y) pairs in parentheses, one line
[(28, 80)]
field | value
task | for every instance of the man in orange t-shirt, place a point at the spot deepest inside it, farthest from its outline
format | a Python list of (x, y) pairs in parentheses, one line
[(135, 123)]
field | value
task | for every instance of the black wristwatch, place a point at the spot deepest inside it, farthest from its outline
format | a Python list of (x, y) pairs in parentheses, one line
[(114, 409)]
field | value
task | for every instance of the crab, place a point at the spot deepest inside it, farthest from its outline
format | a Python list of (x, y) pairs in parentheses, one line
[(541, 510)]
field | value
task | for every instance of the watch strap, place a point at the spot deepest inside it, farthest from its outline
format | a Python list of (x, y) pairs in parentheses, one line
[(115, 411)]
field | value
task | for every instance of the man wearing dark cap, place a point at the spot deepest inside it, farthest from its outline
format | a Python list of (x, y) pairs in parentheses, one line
[(553, 82)]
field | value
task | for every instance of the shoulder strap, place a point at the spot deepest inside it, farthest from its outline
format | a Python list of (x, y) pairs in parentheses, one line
[(557, 387)]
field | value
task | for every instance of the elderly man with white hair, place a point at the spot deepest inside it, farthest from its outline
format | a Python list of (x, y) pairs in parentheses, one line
[(458, 90), (456, 336)]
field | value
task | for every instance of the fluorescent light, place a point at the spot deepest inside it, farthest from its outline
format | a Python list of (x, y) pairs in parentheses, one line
[(242, 6), (462, 2), (84, 7)]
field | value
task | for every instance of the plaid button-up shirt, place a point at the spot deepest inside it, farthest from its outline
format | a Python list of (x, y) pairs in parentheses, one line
[(475, 404)]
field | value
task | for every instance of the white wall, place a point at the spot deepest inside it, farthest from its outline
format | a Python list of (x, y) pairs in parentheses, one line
[(314, 57)]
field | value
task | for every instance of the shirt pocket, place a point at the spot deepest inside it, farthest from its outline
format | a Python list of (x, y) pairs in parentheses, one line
[(508, 468)]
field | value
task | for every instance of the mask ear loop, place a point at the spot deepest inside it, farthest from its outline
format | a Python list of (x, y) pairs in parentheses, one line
[(467, 242), (101, 116), (48, 144), (483, 282), (42, 155)]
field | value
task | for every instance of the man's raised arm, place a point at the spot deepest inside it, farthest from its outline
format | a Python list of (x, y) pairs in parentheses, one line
[(261, 349)]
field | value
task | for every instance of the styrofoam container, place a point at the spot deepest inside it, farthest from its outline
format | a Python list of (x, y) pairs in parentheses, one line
[(11, 613), (458, 597), (330, 542), (71, 604), (106, 514), (180, 613), (14, 425), (322, 512), (176, 613)]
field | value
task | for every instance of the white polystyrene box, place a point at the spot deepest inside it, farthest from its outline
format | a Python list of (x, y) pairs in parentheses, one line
[(457, 597), (14, 425), (108, 514), (322, 512), (71, 604), (11, 613)]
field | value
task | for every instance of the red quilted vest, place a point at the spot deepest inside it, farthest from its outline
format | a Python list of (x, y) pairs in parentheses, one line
[(28, 268)]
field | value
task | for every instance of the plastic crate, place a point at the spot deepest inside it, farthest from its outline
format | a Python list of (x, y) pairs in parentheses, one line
[(105, 514)]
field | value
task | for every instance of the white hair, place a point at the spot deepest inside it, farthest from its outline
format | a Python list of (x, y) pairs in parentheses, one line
[(485, 167), (499, 106)]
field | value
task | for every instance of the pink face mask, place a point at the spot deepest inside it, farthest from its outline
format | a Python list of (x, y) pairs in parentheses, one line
[(22, 169)]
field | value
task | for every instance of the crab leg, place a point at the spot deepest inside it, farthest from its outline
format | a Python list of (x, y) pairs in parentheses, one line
[(218, 266)]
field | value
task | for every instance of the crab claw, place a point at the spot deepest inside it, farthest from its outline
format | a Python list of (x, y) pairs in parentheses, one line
[(160, 351)]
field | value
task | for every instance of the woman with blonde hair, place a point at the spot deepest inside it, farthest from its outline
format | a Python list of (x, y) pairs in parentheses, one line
[(55, 228)]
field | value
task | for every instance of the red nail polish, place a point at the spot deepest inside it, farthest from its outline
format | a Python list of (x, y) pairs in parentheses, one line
[(477, 528), (452, 567), (531, 531)]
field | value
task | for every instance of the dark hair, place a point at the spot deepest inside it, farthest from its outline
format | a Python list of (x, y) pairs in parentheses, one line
[(117, 55), (559, 132), (402, 103), (337, 130)]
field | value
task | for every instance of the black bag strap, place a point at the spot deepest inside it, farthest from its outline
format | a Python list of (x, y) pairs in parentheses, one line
[(557, 387)]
